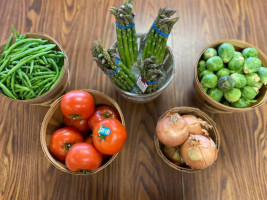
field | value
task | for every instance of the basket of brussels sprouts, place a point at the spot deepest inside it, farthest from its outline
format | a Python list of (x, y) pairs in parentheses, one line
[(231, 76)]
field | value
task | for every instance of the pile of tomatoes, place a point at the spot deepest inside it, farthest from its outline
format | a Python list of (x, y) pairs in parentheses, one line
[(91, 134)]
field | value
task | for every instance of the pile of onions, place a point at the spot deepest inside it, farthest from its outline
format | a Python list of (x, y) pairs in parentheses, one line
[(186, 140), (199, 151)]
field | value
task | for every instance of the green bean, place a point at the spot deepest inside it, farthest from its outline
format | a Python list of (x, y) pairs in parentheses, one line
[(40, 49), (25, 60), (4, 64), (41, 92), (58, 77), (23, 47), (22, 87), (13, 85), (44, 59), (8, 42), (32, 65), (40, 61), (19, 73), (8, 82), (27, 79), (41, 83), (42, 77), (43, 73), (22, 36), (15, 32), (6, 91), (52, 62), (20, 42)]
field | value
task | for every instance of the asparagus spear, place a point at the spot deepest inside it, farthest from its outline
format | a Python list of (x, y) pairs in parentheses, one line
[(151, 72)]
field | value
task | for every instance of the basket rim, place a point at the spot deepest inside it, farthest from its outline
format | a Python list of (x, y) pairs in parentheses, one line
[(201, 114), (48, 116), (141, 35), (66, 68), (198, 84)]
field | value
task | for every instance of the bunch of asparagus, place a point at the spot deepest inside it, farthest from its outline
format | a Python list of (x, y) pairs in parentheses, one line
[(127, 39), (106, 61), (151, 72), (155, 43)]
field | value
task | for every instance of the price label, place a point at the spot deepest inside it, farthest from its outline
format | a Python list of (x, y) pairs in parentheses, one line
[(141, 83), (104, 130)]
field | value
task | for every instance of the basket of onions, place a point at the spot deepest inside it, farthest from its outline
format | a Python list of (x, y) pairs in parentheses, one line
[(187, 139)]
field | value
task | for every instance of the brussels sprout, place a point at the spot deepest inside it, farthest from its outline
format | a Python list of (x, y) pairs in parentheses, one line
[(215, 94), (257, 85), (263, 75), (238, 54), (243, 103), (205, 89), (201, 66), (252, 65), (252, 78), (203, 73), (250, 52), (226, 103), (232, 95), (249, 92), (239, 80), (214, 63), (226, 52), (223, 72), (236, 64), (210, 52), (209, 81), (226, 83)]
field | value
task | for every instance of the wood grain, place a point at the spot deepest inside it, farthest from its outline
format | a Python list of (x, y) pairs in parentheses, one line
[(138, 172)]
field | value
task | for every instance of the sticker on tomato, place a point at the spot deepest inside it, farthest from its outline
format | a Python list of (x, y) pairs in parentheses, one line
[(104, 130)]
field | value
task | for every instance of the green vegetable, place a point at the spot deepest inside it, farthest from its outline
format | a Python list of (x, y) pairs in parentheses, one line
[(252, 79), (205, 89), (226, 83), (215, 94), (263, 75), (223, 72), (238, 54), (214, 63), (236, 64), (252, 65), (239, 80), (226, 52), (249, 92), (243, 103), (203, 73), (201, 66), (209, 81), (226, 103), (232, 95), (250, 52), (22, 64), (210, 52)]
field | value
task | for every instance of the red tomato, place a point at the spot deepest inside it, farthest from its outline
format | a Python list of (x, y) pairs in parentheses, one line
[(113, 142), (62, 139), (101, 113), (77, 104), (89, 140), (83, 156), (80, 124)]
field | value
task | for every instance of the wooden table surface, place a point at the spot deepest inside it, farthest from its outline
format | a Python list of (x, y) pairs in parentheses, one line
[(138, 172)]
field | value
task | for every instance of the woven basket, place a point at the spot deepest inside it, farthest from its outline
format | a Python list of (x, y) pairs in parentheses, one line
[(48, 97), (213, 132), (207, 103), (53, 120)]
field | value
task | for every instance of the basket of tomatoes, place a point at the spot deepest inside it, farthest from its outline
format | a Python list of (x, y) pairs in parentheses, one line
[(83, 132)]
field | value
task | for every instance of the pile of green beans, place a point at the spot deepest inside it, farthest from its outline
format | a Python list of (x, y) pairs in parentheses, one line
[(29, 67)]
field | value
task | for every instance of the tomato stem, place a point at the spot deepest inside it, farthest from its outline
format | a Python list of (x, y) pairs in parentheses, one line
[(75, 116), (68, 146), (85, 171), (106, 115)]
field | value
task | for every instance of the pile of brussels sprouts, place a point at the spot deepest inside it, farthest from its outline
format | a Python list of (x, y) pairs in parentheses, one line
[(230, 77)]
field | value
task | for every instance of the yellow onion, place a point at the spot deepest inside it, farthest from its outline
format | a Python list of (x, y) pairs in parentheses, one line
[(195, 125), (199, 151), (173, 154), (172, 129)]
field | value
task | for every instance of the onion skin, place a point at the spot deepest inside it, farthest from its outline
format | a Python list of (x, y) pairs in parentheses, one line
[(173, 154), (193, 124), (199, 151), (172, 129)]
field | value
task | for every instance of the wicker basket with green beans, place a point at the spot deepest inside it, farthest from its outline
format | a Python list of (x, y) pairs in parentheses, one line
[(29, 67), (126, 34), (107, 61), (156, 38)]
